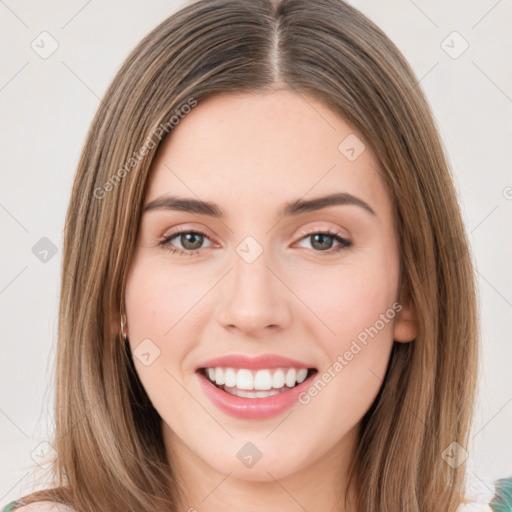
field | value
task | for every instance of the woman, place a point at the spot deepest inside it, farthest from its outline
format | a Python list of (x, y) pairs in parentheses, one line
[(267, 297)]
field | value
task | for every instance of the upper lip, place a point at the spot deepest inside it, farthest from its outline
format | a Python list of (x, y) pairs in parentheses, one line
[(253, 363)]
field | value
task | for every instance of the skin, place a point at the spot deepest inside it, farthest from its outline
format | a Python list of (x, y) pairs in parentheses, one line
[(251, 153)]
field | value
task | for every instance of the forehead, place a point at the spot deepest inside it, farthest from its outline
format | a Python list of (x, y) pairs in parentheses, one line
[(251, 150)]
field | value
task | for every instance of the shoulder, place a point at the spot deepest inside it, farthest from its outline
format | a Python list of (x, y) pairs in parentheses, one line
[(44, 506)]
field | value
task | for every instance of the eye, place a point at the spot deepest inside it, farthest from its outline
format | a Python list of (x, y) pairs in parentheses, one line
[(191, 242), (322, 241)]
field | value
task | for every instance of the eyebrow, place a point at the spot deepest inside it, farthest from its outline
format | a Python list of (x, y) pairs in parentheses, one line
[(295, 207)]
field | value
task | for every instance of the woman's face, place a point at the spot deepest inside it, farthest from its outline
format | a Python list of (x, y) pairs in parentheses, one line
[(257, 281)]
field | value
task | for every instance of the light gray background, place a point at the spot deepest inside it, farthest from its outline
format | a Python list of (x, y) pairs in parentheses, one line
[(46, 108)]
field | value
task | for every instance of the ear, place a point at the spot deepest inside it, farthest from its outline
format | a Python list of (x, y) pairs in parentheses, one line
[(406, 325)]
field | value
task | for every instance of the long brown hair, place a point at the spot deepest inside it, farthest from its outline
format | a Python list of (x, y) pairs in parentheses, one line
[(108, 436)]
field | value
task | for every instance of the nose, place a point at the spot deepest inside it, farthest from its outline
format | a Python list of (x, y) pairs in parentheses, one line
[(255, 300)]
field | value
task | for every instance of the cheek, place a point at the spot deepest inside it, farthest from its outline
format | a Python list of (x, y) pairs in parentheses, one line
[(347, 299), (159, 298), (160, 308), (359, 310)]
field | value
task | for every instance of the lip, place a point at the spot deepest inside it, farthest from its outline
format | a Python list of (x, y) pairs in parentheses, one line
[(253, 408), (253, 363)]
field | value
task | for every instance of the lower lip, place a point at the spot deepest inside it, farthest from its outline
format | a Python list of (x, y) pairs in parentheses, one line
[(253, 408)]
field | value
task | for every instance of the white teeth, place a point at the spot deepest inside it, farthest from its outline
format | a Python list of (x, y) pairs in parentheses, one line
[(291, 378), (219, 376), (261, 380), (244, 379), (230, 377), (278, 379), (251, 394), (301, 375)]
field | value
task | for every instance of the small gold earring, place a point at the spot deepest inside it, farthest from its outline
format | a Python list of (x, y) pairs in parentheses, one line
[(123, 323)]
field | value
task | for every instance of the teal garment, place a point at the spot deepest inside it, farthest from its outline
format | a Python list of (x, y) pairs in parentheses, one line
[(501, 502), (10, 505)]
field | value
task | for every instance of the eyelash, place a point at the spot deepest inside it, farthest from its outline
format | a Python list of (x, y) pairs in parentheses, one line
[(344, 243)]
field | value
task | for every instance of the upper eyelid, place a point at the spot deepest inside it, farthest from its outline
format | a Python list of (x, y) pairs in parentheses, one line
[(312, 231)]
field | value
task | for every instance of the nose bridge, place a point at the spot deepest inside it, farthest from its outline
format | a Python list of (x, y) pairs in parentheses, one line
[(255, 298)]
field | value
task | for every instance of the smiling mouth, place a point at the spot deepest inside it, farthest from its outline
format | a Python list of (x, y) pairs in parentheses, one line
[(262, 383)]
